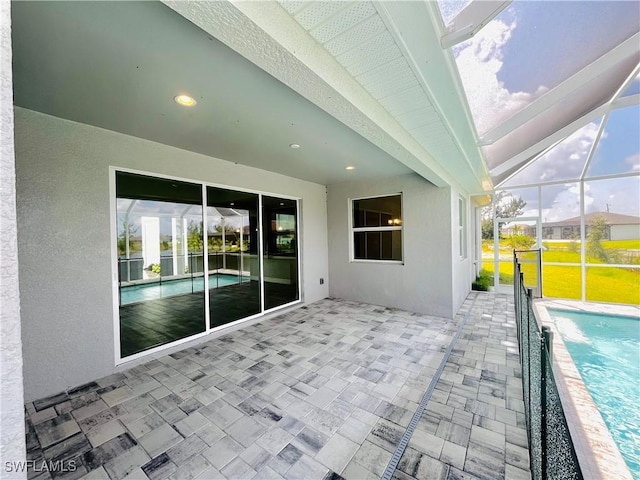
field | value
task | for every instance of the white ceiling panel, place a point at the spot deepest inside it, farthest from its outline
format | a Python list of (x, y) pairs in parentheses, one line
[(358, 35), (315, 13), (405, 101), (366, 49), (343, 21), (379, 58)]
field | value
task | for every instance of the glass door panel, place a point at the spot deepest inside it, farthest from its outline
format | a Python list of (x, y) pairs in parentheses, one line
[(280, 251), (233, 258), (159, 239)]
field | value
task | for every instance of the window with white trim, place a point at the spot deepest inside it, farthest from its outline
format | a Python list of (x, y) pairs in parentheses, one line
[(377, 228), (462, 227)]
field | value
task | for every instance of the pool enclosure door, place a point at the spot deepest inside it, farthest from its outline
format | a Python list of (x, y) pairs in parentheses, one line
[(192, 258), (520, 234)]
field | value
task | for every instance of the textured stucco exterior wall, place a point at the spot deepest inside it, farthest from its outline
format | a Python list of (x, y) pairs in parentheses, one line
[(64, 235), (12, 439), (424, 283)]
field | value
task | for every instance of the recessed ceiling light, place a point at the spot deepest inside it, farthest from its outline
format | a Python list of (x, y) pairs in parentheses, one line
[(185, 100), (350, 167), (294, 145)]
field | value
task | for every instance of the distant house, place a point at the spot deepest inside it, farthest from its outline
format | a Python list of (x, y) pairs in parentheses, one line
[(618, 227)]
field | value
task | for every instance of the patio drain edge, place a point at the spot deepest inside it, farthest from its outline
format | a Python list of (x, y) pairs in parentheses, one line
[(404, 442)]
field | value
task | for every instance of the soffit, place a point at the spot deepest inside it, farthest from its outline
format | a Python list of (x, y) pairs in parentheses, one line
[(351, 60)]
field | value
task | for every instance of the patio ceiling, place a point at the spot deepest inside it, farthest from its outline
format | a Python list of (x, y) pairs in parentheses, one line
[(394, 73)]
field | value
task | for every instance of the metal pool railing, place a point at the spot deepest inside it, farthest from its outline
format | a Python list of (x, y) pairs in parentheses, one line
[(551, 451)]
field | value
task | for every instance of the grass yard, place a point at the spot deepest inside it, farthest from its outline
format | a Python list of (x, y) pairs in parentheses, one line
[(603, 284)]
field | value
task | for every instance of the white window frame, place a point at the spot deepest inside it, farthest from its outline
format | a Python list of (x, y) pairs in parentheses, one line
[(352, 230), (462, 227)]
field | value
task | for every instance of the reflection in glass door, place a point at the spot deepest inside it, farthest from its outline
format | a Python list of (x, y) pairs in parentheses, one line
[(160, 261), (280, 251), (168, 264), (234, 266)]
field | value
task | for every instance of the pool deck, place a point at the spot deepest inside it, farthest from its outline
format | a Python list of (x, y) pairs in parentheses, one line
[(597, 452), (324, 391)]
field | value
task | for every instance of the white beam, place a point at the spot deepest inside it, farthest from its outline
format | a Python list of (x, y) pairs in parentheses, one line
[(538, 147), (590, 72), (471, 20)]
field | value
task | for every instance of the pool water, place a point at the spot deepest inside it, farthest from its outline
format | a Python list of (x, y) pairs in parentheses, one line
[(169, 288), (606, 351)]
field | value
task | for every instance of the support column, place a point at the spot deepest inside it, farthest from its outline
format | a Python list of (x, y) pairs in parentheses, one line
[(12, 434)]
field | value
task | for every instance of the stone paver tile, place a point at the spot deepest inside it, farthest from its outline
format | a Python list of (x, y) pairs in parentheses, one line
[(256, 457), (337, 453), (160, 440), (97, 474), (160, 467), (372, 457), (310, 441), (238, 468), (306, 467), (222, 452), (515, 473), (187, 448), (453, 454), (357, 471), (57, 429), (191, 468), (488, 439), (274, 440), (118, 395), (102, 433), (287, 458), (191, 424), (517, 456), (246, 431), (126, 462)]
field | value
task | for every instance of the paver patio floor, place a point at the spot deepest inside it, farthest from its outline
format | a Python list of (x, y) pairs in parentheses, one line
[(322, 391)]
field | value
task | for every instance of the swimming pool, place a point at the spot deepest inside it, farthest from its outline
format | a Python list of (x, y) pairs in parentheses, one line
[(169, 288), (606, 352)]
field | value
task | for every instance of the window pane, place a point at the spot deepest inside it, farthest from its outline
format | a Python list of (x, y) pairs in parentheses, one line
[(279, 217), (234, 266), (531, 47), (618, 150), (160, 260), (377, 212), (561, 282), (565, 161), (612, 284), (378, 245)]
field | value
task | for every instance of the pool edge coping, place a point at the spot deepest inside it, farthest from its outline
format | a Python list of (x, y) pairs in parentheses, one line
[(597, 452)]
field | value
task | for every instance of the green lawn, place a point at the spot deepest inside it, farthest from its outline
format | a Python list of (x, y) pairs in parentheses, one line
[(604, 284)]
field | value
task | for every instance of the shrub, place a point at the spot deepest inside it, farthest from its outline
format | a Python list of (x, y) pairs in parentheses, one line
[(483, 281)]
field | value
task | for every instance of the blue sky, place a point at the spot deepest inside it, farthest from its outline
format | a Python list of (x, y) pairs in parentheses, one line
[(523, 53)]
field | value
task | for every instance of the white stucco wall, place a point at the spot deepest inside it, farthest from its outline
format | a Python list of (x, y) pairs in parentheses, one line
[(625, 232), (12, 434), (424, 283), (65, 246)]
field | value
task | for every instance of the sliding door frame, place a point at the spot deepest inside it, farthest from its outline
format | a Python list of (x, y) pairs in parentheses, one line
[(113, 215)]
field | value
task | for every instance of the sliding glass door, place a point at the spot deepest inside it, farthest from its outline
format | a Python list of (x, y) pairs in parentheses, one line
[(234, 262), (177, 251), (280, 251), (160, 287)]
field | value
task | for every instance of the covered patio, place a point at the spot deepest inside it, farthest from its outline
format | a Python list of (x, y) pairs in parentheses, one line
[(329, 390)]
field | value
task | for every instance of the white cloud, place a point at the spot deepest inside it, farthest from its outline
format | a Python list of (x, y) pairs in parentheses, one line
[(479, 61), (634, 161), (563, 162)]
